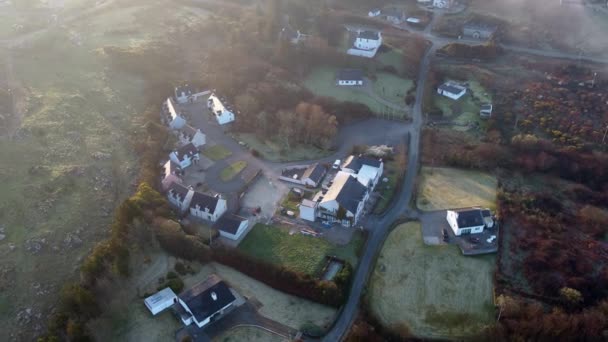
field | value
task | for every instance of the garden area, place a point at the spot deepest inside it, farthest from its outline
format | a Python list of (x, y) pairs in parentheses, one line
[(276, 152), (445, 188), (430, 292), (216, 152), (393, 172), (464, 112), (298, 252), (232, 170)]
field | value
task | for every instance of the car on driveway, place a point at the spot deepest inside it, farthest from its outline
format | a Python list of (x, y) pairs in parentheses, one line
[(491, 239)]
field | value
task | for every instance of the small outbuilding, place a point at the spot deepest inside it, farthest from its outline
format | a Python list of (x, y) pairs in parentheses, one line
[(232, 226), (486, 110), (308, 210), (161, 300)]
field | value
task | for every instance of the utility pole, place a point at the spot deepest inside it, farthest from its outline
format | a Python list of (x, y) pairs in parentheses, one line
[(604, 138), (593, 82)]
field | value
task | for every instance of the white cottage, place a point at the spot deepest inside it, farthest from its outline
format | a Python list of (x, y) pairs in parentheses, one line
[(190, 135), (220, 110), (185, 156), (205, 302), (350, 77), (344, 201), (452, 90), (170, 116), (180, 196), (368, 40), (232, 226), (465, 221), (160, 301), (207, 207)]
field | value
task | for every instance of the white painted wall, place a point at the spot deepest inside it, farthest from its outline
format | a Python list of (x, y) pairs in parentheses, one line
[(239, 232), (220, 209), (452, 217), (308, 213), (349, 83)]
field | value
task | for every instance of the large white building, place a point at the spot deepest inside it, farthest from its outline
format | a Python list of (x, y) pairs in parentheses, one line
[(343, 202), (222, 113), (170, 116), (465, 221), (451, 89), (368, 40)]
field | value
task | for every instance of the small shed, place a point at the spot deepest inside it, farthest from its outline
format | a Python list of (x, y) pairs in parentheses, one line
[(160, 301)]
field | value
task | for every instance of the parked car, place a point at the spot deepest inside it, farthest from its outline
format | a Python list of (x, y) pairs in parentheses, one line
[(491, 239), (474, 240), (336, 164)]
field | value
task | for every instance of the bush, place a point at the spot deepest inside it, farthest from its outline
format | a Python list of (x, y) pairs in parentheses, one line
[(181, 268), (312, 329), (254, 152)]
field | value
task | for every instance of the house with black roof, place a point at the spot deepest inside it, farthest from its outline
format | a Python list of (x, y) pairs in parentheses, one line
[(466, 221), (350, 77), (185, 156), (368, 40), (171, 116), (452, 89), (232, 226), (180, 196), (313, 175), (367, 170), (207, 207), (205, 302), (344, 200)]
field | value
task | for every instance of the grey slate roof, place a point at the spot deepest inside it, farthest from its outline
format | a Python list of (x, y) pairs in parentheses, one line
[(204, 201), (188, 149), (373, 35), (315, 172), (350, 75), (200, 298), (469, 218), (356, 162), (450, 89), (178, 190), (229, 223), (351, 194)]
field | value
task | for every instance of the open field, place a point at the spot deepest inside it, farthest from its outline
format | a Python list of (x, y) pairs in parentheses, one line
[(322, 82), (249, 334), (444, 188), (71, 161), (232, 170), (392, 88), (216, 152), (434, 291), (276, 152), (301, 253)]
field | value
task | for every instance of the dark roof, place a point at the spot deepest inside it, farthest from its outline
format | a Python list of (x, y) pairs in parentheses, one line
[(188, 130), (187, 149), (351, 194), (229, 223), (486, 213), (469, 218), (356, 162), (315, 172), (369, 35), (204, 201), (185, 88), (450, 89), (486, 107), (206, 298), (350, 75), (178, 190)]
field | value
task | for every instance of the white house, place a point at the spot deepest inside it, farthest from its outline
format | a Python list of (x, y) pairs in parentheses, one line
[(232, 226), (222, 113), (368, 40), (170, 174), (205, 302), (346, 197), (190, 135), (170, 116), (185, 156), (207, 207), (374, 12), (308, 210), (486, 110), (183, 93), (160, 301), (445, 4), (366, 170), (350, 77), (180, 196), (452, 90), (465, 221)]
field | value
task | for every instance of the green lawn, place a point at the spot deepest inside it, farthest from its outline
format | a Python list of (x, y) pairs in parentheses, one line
[(434, 291), (216, 152), (392, 88), (298, 252), (465, 110), (445, 188), (232, 170), (394, 58), (273, 151)]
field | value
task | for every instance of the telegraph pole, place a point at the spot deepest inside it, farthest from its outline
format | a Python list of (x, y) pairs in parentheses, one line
[(604, 138)]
